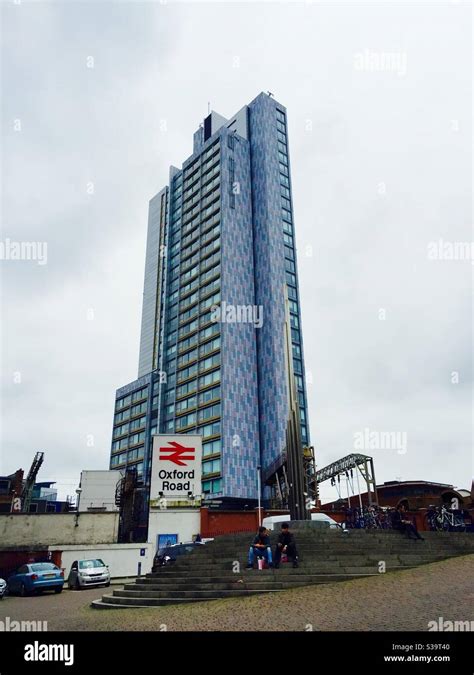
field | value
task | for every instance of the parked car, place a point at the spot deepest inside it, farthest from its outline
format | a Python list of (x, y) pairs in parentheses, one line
[(91, 572), (168, 554), (3, 588), (324, 518), (271, 521), (35, 578)]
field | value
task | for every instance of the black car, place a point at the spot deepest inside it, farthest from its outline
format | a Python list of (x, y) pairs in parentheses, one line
[(168, 554)]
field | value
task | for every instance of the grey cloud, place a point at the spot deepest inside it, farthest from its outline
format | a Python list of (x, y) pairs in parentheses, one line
[(156, 62)]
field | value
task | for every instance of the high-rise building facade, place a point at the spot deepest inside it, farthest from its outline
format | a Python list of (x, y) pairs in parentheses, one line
[(220, 282)]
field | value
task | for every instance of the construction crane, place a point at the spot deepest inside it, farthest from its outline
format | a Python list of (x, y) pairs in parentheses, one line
[(30, 482), (362, 463)]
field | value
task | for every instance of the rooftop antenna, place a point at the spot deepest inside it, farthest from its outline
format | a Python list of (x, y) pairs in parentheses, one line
[(270, 93), (208, 107)]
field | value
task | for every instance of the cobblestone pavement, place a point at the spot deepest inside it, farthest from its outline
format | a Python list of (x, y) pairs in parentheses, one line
[(405, 600)]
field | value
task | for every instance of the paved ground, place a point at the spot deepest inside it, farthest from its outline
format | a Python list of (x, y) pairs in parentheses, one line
[(396, 601)]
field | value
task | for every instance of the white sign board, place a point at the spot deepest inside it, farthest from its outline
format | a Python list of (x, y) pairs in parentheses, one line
[(176, 467)]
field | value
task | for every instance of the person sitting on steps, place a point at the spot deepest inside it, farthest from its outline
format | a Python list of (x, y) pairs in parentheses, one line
[(400, 522), (260, 547), (286, 544)]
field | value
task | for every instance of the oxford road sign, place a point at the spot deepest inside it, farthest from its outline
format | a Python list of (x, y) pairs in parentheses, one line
[(176, 466)]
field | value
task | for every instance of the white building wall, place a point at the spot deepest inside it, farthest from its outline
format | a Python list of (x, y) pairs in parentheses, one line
[(123, 559), (185, 523), (98, 490)]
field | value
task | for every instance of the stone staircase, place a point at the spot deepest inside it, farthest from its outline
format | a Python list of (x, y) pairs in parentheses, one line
[(326, 556)]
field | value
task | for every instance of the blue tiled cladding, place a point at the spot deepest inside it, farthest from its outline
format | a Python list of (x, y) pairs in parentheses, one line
[(241, 444), (269, 278)]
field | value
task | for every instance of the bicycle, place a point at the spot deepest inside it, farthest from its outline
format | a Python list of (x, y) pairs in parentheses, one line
[(442, 519)]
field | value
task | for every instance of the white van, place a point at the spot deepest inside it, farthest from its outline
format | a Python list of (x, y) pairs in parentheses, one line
[(270, 521)]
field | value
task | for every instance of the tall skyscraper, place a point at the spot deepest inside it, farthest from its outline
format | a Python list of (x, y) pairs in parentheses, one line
[(220, 280)]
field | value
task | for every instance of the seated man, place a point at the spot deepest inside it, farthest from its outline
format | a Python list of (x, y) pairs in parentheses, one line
[(260, 547), (400, 522), (286, 544)]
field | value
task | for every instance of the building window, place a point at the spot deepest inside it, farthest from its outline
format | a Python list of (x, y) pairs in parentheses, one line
[(294, 321), (209, 395), (185, 421), (210, 429), (209, 346), (137, 423), (212, 448), (141, 393), (210, 378), (213, 466), (187, 372), (187, 388), (186, 403), (289, 253), (208, 413), (210, 362), (291, 279), (121, 430), (297, 366), (137, 409), (212, 486), (186, 358), (123, 402), (280, 115)]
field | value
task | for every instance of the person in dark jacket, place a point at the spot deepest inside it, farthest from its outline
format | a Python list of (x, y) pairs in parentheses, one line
[(400, 522), (286, 544), (260, 548)]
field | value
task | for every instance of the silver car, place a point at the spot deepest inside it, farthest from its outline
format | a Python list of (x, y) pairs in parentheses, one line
[(3, 588), (92, 572)]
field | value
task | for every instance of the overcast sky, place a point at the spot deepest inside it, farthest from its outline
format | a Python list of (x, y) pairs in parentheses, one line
[(98, 99)]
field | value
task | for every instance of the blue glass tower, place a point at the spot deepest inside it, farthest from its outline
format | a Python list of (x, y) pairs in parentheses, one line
[(220, 283)]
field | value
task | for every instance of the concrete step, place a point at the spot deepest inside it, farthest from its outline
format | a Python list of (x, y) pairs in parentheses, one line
[(191, 561), (208, 573), (211, 593), (329, 551), (177, 571), (337, 535), (223, 585), (252, 581), (324, 550), (266, 576), (111, 601)]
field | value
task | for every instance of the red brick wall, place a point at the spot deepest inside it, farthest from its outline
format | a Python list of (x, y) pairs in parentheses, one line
[(215, 523)]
